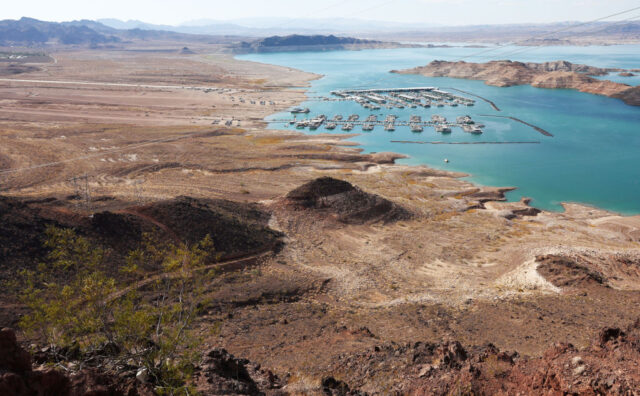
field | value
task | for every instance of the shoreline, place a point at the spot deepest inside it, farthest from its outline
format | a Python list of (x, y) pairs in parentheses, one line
[(586, 206)]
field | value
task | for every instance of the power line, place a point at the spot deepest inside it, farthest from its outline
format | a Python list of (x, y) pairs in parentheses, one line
[(534, 47), (548, 33), (531, 38), (341, 2), (377, 6)]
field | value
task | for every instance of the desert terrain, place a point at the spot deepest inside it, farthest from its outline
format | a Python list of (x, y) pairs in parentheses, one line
[(394, 257)]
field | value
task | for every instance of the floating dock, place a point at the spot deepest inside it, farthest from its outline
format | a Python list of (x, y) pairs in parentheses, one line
[(390, 122), (401, 97)]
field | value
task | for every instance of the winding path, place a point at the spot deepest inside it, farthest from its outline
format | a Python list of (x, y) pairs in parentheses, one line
[(224, 266)]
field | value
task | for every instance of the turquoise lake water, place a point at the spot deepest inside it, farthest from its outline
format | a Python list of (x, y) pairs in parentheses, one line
[(593, 157)]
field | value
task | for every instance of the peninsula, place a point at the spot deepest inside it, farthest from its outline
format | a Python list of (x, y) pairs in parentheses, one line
[(297, 42), (558, 74)]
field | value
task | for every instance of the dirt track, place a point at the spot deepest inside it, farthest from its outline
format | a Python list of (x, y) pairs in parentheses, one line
[(228, 265)]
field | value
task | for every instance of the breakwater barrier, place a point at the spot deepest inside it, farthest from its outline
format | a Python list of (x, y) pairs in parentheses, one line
[(537, 128)]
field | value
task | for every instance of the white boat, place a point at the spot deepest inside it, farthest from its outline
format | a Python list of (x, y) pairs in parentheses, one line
[(441, 128), (302, 124), (299, 110)]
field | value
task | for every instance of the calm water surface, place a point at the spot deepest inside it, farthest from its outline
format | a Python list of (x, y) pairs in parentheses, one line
[(593, 158)]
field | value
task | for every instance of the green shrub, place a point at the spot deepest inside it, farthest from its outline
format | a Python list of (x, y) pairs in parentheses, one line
[(73, 301)]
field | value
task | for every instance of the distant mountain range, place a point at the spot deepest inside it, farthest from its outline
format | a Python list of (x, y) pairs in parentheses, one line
[(261, 27), (32, 32)]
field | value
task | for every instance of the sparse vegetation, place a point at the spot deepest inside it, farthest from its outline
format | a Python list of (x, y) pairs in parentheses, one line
[(71, 303)]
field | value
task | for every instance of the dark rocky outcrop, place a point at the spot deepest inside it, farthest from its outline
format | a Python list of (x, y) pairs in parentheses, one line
[(14, 69), (344, 201), (297, 42), (631, 96), (567, 272), (608, 366), (16, 376), (12, 357), (223, 374), (334, 387), (297, 39), (237, 230)]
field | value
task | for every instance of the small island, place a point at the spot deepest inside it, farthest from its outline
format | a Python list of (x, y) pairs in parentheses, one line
[(558, 74)]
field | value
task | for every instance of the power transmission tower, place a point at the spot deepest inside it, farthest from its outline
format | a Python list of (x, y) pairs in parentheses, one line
[(82, 191), (138, 190), (4, 181)]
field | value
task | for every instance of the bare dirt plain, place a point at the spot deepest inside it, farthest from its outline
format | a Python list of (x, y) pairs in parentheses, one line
[(145, 126)]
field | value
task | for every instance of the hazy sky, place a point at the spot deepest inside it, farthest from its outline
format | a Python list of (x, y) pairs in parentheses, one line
[(443, 12)]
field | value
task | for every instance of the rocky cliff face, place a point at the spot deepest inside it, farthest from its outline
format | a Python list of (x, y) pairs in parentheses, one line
[(630, 96), (562, 65), (554, 75)]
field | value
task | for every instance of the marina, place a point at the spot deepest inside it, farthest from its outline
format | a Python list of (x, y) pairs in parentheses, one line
[(390, 122), (412, 97), (579, 126)]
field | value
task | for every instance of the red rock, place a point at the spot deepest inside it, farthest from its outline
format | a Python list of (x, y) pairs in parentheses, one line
[(12, 356)]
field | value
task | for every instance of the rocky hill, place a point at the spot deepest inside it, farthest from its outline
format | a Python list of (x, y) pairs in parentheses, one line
[(296, 42), (505, 73), (333, 198), (236, 229)]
